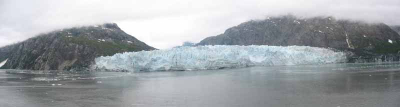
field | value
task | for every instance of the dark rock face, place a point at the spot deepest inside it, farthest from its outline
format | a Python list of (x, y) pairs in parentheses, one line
[(70, 49), (5, 52), (360, 38)]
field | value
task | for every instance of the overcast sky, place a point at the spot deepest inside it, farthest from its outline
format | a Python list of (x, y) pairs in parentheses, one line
[(168, 23)]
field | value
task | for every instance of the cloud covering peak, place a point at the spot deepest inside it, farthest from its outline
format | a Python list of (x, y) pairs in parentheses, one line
[(167, 23)]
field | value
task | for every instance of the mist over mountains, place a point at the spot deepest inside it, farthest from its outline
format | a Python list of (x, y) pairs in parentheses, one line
[(76, 48), (176, 21), (396, 28)]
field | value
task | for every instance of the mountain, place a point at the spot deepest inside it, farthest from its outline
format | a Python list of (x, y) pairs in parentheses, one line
[(69, 49), (360, 38), (396, 28), (188, 44)]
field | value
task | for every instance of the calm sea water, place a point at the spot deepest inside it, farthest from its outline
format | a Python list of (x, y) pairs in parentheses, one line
[(336, 85)]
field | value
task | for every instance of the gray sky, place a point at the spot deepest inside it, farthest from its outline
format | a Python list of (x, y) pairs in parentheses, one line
[(168, 23)]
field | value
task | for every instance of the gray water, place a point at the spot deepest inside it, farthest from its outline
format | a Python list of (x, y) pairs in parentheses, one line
[(336, 85)]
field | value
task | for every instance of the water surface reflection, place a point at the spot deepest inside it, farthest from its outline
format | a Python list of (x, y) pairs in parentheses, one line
[(344, 85)]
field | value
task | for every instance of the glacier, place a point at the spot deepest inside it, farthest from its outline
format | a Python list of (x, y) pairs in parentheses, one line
[(217, 57)]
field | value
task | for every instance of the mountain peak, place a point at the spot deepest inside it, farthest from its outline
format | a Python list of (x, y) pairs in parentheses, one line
[(327, 32), (111, 26), (70, 48)]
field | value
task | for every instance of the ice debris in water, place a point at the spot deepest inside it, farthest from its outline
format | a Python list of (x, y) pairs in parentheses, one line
[(217, 57), (44, 79), (56, 84)]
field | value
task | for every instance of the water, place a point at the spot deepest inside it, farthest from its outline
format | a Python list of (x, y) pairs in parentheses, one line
[(336, 85)]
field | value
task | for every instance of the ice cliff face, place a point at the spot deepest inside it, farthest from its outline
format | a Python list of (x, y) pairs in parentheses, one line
[(217, 57)]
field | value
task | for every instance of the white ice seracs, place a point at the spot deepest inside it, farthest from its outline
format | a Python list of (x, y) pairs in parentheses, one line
[(217, 57)]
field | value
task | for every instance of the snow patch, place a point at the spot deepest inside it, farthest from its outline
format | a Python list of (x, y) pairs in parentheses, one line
[(295, 21), (364, 36), (217, 57), (104, 28), (348, 41), (129, 41), (390, 41), (3, 63)]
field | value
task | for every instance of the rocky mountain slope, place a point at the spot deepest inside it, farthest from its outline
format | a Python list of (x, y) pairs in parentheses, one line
[(396, 28), (360, 38), (69, 49)]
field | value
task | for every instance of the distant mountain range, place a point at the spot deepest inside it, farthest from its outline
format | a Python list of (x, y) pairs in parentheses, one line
[(360, 38), (69, 49)]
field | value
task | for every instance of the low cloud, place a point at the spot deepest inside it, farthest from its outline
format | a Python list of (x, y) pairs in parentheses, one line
[(167, 23)]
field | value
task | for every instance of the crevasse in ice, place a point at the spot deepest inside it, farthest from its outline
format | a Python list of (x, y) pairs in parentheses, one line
[(217, 57)]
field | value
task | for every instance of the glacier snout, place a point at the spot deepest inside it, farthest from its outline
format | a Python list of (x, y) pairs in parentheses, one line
[(218, 57)]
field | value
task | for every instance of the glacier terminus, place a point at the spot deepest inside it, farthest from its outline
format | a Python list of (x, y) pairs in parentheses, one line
[(217, 57)]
